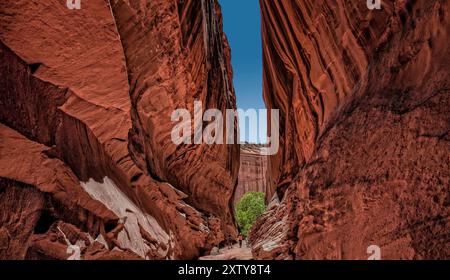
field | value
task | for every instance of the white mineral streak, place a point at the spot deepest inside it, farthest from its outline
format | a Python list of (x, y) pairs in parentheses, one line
[(113, 198)]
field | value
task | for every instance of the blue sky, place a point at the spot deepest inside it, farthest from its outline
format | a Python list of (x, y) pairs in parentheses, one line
[(241, 20)]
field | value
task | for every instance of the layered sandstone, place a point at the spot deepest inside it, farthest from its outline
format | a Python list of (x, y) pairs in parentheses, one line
[(364, 101), (85, 106), (252, 171)]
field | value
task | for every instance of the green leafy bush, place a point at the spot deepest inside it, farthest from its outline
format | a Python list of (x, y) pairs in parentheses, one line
[(248, 209)]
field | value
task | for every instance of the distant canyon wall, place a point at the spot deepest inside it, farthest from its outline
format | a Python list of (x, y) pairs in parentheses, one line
[(252, 172), (364, 102), (86, 157)]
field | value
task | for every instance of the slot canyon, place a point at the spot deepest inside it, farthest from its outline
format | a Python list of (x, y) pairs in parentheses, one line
[(87, 160)]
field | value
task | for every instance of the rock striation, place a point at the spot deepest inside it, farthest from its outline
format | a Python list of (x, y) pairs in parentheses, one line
[(87, 165), (364, 103), (252, 171)]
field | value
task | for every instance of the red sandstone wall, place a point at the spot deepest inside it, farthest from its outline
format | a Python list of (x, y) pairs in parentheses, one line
[(364, 100), (87, 94), (252, 171)]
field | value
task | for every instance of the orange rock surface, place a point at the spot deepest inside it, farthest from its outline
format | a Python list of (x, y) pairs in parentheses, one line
[(85, 106), (88, 169), (364, 101), (252, 172)]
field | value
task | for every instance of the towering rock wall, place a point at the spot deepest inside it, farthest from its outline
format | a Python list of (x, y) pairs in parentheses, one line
[(316, 58), (187, 59), (85, 111), (252, 171), (364, 101)]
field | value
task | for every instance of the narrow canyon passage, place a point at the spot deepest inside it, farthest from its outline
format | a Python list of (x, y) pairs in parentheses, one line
[(252, 177), (242, 26), (364, 128), (89, 99)]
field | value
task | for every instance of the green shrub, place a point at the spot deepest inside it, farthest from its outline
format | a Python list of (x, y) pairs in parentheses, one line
[(248, 209)]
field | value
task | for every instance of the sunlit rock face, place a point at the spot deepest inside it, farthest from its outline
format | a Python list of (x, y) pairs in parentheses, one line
[(85, 111), (187, 59), (364, 101), (252, 171)]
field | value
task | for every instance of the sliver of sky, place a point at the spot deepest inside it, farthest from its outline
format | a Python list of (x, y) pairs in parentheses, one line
[(242, 25)]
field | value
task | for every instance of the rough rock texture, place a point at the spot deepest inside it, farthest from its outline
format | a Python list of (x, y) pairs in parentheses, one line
[(364, 100), (187, 59), (85, 149), (252, 171)]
